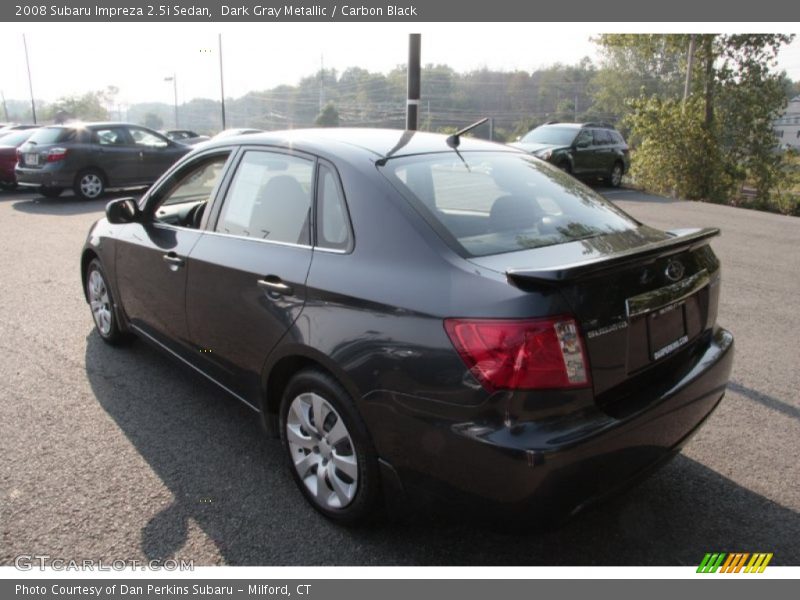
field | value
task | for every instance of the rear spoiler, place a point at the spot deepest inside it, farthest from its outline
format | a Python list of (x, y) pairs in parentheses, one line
[(685, 239)]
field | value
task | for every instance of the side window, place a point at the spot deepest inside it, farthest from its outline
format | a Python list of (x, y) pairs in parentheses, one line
[(112, 136), (333, 224), (584, 137), (269, 198), (147, 139), (602, 137), (189, 192)]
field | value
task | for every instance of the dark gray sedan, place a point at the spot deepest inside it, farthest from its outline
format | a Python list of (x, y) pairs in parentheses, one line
[(90, 158), (420, 317)]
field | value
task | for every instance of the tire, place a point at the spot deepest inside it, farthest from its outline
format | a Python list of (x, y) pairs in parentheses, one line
[(51, 192), (614, 178), (89, 184), (101, 302), (565, 166), (8, 186), (349, 489)]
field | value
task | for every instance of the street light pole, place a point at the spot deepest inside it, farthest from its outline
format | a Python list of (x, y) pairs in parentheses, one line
[(174, 80), (221, 83), (30, 81)]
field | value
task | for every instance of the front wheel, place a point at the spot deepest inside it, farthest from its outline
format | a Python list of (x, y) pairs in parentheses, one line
[(328, 448), (89, 185), (101, 303)]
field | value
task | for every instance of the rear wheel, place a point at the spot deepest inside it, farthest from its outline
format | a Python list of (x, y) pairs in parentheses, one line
[(330, 454), (614, 178), (51, 192), (89, 184)]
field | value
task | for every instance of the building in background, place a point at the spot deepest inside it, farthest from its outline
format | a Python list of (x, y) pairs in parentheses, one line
[(787, 127)]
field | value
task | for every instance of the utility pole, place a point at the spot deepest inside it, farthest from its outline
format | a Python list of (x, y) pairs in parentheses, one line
[(221, 83), (174, 80), (321, 82), (30, 81), (689, 66), (5, 108), (414, 76)]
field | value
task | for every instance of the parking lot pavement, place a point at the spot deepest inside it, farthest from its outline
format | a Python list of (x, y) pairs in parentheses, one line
[(121, 454)]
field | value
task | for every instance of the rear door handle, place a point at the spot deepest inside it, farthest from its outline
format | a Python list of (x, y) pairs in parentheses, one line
[(173, 259), (274, 286)]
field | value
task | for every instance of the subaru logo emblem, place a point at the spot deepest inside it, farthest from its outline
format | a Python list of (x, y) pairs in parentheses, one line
[(674, 270)]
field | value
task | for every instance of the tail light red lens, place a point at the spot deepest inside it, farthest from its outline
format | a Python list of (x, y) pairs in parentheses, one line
[(521, 354), (56, 154)]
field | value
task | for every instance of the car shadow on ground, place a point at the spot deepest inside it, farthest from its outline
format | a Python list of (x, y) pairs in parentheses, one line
[(224, 474), (67, 204)]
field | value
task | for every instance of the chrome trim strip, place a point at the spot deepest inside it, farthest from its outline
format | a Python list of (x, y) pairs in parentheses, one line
[(254, 239), (187, 363), (670, 294)]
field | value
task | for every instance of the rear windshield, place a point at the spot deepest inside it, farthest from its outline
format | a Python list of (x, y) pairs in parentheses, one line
[(561, 136), (15, 138), (52, 135), (490, 203)]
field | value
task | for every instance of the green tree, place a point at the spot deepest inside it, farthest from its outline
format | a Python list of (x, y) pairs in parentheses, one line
[(725, 126), (328, 116), (86, 107)]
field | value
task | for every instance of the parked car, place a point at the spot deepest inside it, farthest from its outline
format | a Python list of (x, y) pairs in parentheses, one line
[(8, 156), (586, 150), (91, 158), (185, 136), (419, 316)]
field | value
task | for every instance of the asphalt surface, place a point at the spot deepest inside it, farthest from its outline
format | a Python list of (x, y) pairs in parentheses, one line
[(122, 454)]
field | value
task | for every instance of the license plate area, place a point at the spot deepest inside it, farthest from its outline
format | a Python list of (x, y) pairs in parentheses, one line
[(666, 330), (32, 159)]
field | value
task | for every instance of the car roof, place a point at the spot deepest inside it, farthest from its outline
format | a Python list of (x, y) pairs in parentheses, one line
[(579, 125), (380, 143)]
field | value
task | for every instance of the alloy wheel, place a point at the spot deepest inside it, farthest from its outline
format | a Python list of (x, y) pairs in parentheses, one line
[(99, 302)]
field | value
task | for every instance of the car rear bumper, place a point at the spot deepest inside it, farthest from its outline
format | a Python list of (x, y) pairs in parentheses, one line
[(550, 467), (44, 177)]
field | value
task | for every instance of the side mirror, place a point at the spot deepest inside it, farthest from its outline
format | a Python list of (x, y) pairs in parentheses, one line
[(122, 210)]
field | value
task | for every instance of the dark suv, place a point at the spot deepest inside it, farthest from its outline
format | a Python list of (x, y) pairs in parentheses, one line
[(586, 150), (89, 158)]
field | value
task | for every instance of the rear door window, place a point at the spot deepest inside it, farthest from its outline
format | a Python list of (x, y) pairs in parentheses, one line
[(333, 222), (112, 136), (270, 198)]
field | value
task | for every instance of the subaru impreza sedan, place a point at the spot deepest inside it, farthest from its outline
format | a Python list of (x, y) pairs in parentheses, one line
[(420, 317)]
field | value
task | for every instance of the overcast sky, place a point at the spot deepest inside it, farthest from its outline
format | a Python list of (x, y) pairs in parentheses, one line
[(74, 58)]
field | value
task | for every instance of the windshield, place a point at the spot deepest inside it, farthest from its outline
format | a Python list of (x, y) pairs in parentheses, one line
[(559, 136), (497, 202)]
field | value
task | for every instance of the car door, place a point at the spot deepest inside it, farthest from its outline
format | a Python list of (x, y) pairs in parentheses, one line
[(582, 153), (604, 153), (247, 273), (151, 256), (156, 154), (114, 153)]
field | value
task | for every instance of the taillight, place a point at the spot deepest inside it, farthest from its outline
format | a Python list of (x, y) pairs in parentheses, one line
[(521, 354), (56, 154)]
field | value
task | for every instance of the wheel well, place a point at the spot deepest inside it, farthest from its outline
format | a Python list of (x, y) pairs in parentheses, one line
[(277, 380), (88, 256)]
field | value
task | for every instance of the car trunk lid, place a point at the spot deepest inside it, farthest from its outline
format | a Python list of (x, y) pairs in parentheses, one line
[(639, 295)]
